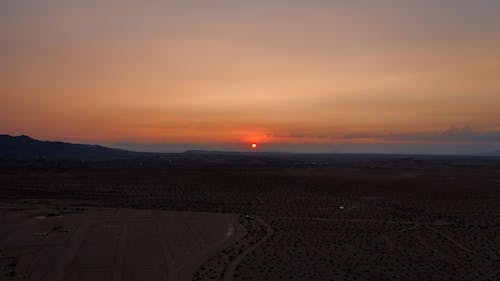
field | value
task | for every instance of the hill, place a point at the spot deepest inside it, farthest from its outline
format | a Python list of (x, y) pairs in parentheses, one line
[(25, 147)]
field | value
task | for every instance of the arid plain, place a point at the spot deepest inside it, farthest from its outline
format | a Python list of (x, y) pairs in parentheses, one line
[(197, 216)]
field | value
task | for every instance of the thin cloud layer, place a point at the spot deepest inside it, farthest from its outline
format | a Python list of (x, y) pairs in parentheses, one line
[(452, 135)]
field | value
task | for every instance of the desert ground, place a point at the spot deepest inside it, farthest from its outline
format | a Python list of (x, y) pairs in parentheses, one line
[(251, 217), (73, 243)]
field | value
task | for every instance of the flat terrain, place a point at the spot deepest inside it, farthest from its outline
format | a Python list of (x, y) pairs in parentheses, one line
[(305, 217), (109, 244)]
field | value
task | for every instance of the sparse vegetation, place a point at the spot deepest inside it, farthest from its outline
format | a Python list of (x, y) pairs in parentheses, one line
[(352, 218)]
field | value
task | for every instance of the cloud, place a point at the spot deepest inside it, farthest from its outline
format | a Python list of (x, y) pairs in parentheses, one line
[(463, 134)]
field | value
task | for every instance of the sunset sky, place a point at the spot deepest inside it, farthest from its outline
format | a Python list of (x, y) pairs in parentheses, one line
[(333, 76)]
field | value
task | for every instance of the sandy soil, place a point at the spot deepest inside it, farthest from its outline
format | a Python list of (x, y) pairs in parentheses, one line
[(109, 243)]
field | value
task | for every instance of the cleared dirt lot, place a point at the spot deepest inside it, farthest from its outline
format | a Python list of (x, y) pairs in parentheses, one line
[(110, 244)]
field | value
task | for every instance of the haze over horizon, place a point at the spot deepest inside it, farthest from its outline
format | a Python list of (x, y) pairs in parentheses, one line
[(316, 76)]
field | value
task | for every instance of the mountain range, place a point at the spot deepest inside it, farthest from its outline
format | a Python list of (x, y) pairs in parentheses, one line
[(25, 147), (22, 147)]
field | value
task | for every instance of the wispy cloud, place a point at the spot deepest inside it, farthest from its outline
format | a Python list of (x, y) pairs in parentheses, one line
[(463, 134), (454, 134)]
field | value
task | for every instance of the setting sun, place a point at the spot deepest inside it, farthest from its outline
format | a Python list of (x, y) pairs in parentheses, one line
[(235, 140)]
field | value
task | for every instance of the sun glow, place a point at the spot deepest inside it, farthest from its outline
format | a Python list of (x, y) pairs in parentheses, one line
[(254, 146)]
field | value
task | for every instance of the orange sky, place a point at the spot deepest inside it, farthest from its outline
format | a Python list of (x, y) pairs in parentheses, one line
[(250, 71)]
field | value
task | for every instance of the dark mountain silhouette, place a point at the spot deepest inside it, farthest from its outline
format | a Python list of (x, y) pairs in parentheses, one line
[(23, 147)]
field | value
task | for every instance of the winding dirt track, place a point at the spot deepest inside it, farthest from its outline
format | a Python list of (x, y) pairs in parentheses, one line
[(185, 272), (449, 238), (229, 274)]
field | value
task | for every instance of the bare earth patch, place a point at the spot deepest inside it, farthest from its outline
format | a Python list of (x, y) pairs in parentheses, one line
[(110, 244)]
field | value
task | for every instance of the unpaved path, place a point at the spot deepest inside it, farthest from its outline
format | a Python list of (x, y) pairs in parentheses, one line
[(449, 238), (229, 274)]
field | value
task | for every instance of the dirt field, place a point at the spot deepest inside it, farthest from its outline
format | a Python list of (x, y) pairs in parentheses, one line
[(109, 244)]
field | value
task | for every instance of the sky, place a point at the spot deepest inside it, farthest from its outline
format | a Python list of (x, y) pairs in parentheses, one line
[(305, 76)]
